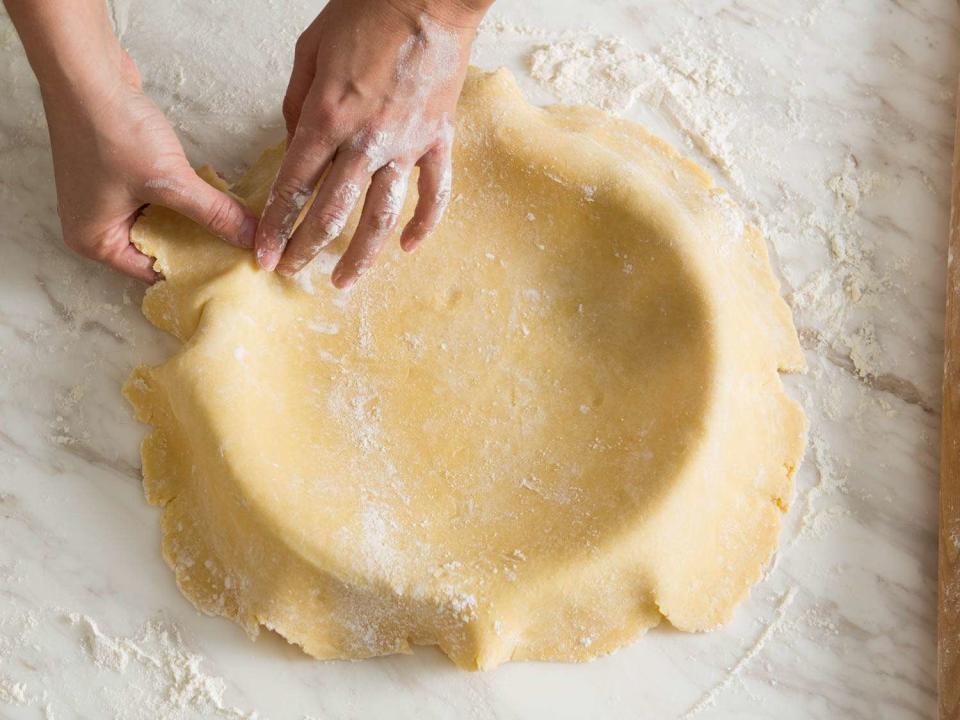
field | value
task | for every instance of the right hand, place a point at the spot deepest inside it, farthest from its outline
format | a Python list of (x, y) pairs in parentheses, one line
[(373, 93), (115, 152)]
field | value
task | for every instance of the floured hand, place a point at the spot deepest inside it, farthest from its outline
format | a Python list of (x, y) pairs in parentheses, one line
[(114, 152), (372, 94)]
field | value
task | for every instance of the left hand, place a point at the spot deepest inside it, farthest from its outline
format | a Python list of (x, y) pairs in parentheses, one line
[(373, 92)]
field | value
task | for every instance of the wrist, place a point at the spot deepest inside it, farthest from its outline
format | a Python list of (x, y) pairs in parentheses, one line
[(73, 59), (459, 14), (81, 72)]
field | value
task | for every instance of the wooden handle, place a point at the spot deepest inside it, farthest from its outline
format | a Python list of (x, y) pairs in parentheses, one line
[(948, 621)]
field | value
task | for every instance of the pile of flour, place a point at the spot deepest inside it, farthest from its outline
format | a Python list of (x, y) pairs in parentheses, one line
[(151, 675)]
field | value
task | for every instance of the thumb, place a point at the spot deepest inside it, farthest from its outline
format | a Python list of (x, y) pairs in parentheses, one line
[(132, 262), (220, 213), (112, 247)]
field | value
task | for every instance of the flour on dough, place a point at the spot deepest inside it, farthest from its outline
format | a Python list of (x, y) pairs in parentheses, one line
[(556, 423)]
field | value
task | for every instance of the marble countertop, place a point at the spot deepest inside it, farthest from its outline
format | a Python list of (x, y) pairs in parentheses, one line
[(831, 121)]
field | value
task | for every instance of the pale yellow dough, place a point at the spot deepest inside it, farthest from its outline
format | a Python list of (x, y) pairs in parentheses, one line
[(558, 421)]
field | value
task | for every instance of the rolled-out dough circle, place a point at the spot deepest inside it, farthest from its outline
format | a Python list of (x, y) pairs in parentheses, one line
[(557, 422)]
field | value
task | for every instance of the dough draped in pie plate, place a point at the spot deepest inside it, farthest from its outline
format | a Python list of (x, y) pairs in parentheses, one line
[(556, 423)]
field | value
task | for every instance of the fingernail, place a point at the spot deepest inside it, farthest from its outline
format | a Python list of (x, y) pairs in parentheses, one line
[(341, 281), (287, 270), (409, 239), (268, 260), (248, 231)]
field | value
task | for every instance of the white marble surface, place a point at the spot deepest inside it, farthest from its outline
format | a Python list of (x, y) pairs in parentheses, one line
[(830, 119)]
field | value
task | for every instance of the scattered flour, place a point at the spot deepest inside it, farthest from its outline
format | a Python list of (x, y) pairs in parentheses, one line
[(12, 693), (152, 675), (598, 71), (683, 79), (710, 698), (699, 87), (69, 424), (16, 628), (159, 669), (694, 83), (830, 298)]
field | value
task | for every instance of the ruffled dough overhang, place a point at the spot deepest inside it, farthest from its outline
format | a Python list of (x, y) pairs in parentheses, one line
[(556, 423)]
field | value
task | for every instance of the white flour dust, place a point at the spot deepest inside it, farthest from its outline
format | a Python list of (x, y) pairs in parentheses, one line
[(720, 104), (603, 72), (152, 675), (166, 674), (697, 87), (685, 79), (426, 62), (710, 698)]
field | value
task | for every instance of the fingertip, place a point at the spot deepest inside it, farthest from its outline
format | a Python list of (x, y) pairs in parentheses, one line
[(133, 263), (410, 240), (286, 270), (248, 232), (342, 280), (146, 272), (146, 275), (267, 259)]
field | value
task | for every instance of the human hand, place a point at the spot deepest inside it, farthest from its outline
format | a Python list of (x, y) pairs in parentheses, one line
[(372, 94), (114, 152)]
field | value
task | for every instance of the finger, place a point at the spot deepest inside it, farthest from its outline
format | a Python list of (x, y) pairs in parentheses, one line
[(436, 175), (303, 165), (129, 261), (336, 199), (381, 211), (220, 213), (113, 248), (129, 70), (301, 79)]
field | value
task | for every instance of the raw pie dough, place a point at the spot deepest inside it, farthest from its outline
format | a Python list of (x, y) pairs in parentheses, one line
[(558, 421)]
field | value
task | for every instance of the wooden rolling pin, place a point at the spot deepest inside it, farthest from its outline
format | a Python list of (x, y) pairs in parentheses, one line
[(948, 620)]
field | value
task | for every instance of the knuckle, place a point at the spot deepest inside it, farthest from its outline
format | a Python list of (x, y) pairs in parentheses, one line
[(331, 221), (291, 192), (346, 196), (96, 247), (383, 220), (321, 121), (315, 154), (302, 48), (221, 216), (290, 108), (372, 146)]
